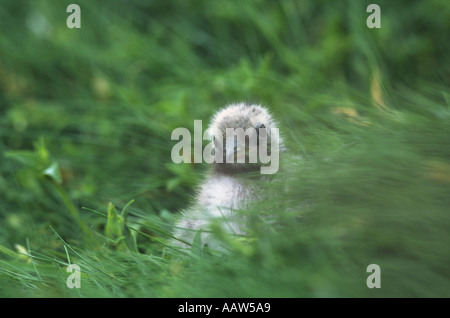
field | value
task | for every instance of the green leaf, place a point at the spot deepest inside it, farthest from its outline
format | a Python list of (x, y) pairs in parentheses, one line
[(53, 173), (114, 224)]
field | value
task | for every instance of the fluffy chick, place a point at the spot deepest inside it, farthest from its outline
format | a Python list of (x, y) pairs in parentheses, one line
[(225, 191)]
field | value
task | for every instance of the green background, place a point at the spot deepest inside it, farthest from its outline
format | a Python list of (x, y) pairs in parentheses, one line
[(86, 116)]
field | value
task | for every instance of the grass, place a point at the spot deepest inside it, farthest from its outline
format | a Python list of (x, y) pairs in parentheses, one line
[(86, 176)]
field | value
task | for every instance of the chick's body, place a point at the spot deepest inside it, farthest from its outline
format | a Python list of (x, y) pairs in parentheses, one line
[(219, 198)]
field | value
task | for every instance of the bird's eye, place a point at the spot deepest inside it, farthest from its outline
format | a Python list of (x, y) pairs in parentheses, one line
[(258, 127)]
